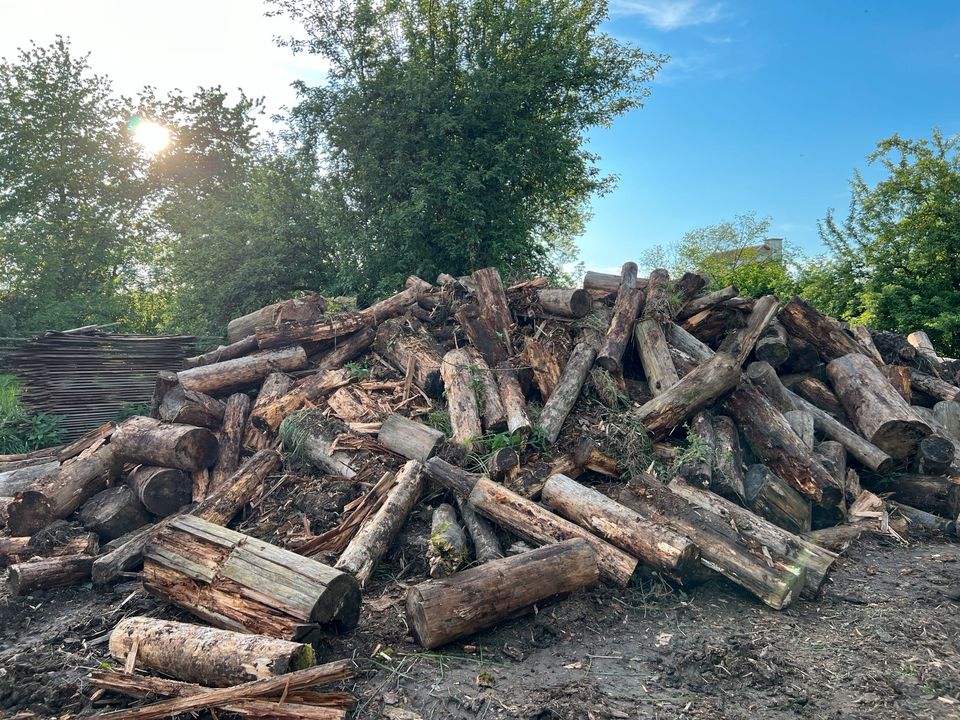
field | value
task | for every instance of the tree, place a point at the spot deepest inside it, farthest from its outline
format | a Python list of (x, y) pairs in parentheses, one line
[(895, 257), (453, 132), (72, 193)]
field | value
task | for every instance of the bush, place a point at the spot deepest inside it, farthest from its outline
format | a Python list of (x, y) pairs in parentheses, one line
[(20, 430)]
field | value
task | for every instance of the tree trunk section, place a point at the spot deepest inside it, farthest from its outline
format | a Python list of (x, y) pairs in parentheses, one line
[(47, 573), (488, 393), (629, 301), (934, 387), (933, 493), (727, 476), (564, 396), (230, 437), (403, 349), (461, 398), (297, 309), (947, 414), (314, 445), (565, 302), (188, 407), (113, 512), (274, 387), (494, 312), (161, 490), (21, 549), (825, 334), (546, 369), (513, 401), (239, 489), (802, 423), (772, 347), (346, 349), (833, 456), (863, 336), (234, 375), (269, 415), (655, 357), (899, 377), (165, 382), (934, 456), (14, 481), (234, 350), (145, 440), (412, 440), (707, 301), (771, 498), (698, 469), (486, 546), (296, 333), (447, 548)]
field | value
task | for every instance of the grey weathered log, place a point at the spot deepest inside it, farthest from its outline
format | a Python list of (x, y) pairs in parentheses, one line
[(346, 348), (706, 301), (630, 299), (488, 393), (297, 309), (727, 476), (409, 438), (242, 373), (113, 512), (825, 334), (771, 498), (447, 547), (274, 387), (161, 490), (740, 343), (189, 407), (657, 305), (655, 357), (564, 302), (802, 423), (934, 387), (240, 348), (947, 413), (697, 466), (315, 445), (13, 481), (772, 347), (565, 395), (404, 348), (937, 494), (486, 545), (833, 456), (462, 403), (21, 549), (145, 440), (236, 412), (46, 573), (922, 523), (513, 400), (685, 342), (166, 380)]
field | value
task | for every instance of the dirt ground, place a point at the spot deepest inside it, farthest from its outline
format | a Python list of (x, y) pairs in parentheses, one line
[(882, 640)]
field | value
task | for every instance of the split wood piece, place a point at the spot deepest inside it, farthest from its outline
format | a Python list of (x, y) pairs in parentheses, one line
[(199, 654), (300, 436), (764, 376), (825, 334), (658, 547), (236, 582), (544, 364), (46, 573), (513, 401), (565, 302), (819, 393), (726, 479), (934, 456), (771, 498), (740, 343), (936, 494), (630, 299), (462, 401), (370, 544), (441, 611), (233, 375), (231, 436), (772, 347), (802, 423), (881, 415), (396, 304), (295, 333), (144, 440), (13, 481), (303, 309), (238, 490), (761, 534), (352, 404), (189, 407), (486, 545), (921, 341), (346, 349), (113, 512), (921, 523), (658, 367), (833, 456), (238, 349), (773, 581), (707, 301), (92, 439), (934, 387), (161, 490), (488, 393), (274, 387), (403, 349), (269, 415), (528, 520), (697, 390), (412, 440), (803, 356), (57, 495), (775, 443), (166, 380), (20, 549), (899, 378), (837, 538), (564, 396), (447, 547), (863, 336), (494, 313), (697, 467), (947, 413), (240, 695)]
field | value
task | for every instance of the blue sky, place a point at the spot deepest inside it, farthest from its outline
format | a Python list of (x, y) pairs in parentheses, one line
[(766, 107)]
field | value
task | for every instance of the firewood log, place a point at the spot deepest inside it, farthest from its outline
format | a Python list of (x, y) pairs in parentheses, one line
[(934, 386), (921, 341), (403, 349), (166, 380), (274, 387), (13, 481), (240, 374), (189, 407), (899, 378), (680, 339), (863, 336), (704, 302), (487, 392), (772, 347), (303, 309), (819, 394), (240, 348), (481, 335), (948, 415), (145, 440), (837, 538), (47, 573), (462, 401), (441, 611), (934, 456), (198, 654), (230, 438), (740, 343), (698, 467), (21, 549), (346, 349), (726, 479), (494, 313), (825, 334), (296, 333), (236, 582), (833, 456), (803, 356), (564, 396), (113, 512), (565, 302), (921, 523), (630, 299), (881, 415), (709, 325), (301, 436), (396, 304), (544, 364), (658, 367), (268, 416), (771, 498), (936, 494), (412, 440), (486, 546), (802, 423), (513, 401), (447, 547), (161, 490)]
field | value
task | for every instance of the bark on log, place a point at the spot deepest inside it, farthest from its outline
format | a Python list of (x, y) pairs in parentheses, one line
[(698, 467), (297, 309), (776, 444), (727, 476), (894, 348), (657, 305), (396, 304), (487, 392), (772, 347), (238, 349), (230, 438), (242, 373), (685, 289), (296, 333), (654, 353), (346, 349), (47, 573), (314, 445), (707, 301), (740, 343), (113, 512), (447, 548), (921, 523), (161, 490), (494, 312), (934, 456), (565, 302), (659, 547), (564, 396), (198, 654), (934, 493), (802, 423), (481, 335), (486, 545), (921, 341), (771, 498), (934, 387), (126, 556), (165, 382), (412, 440), (269, 415), (188, 407), (57, 495), (14, 481), (803, 356), (833, 456), (603, 284), (545, 366), (711, 324), (403, 349), (274, 387), (441, 611), (513, 401), (21, 549), (629, 301), (819, 394), (145, 440), (461, 398), (837, 538), (237, 491), (236, 582), (826, 335), (863, 336), (899, 378), (947, 414), (683, 341), (881, 415), (370, 544)]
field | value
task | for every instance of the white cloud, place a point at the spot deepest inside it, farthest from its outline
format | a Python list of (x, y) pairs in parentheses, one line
[(669, 14)]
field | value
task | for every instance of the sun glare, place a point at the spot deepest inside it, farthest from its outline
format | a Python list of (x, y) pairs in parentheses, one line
[(153, 138)]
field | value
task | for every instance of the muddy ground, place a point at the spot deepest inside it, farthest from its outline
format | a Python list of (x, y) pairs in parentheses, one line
[(882, 641)]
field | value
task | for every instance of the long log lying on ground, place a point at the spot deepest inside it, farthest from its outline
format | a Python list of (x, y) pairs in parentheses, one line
[(199, 654), (881, 415), (303, 309), (314, 445), (21, 549), (412, 440), (565, 395), (727, 476), (13, 481), (629, 301), (826, 335), (704, 302), (404, 349), (441, 611), (161, 490), (189, 407), (242, 373), (113, 512), (145, 440), (57, 495), (274, 387), (47, 573), (230, 438), (244, 346), (237, 582), (372, 541), (527, 519), (936, 494)]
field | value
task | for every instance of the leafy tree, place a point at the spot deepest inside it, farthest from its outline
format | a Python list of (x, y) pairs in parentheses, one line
[(453, 132), (895, 257)]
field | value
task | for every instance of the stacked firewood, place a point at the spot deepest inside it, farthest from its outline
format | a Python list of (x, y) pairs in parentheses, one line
[(631, 425)]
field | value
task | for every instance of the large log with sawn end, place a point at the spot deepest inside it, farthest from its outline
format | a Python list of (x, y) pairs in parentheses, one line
[(242, 373), (145, 440)]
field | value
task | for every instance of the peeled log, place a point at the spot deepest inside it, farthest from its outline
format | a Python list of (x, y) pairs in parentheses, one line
[(145, 440), (161, 490), (802, 423), (934, 493), (461, 399), (25, 577), (404, 349), (565, 302), (113, 512), (629, 301), (565, 395), (236, 582), (771, 498), (230, 437), (412, 440), (199, 654), (881, 415), (440, 611), (188, 407), (233, 375)]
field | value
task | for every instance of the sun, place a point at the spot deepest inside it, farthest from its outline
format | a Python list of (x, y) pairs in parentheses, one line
[(152, 137)]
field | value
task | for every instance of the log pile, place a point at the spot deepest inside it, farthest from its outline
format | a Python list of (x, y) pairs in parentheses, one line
[(636, 425)]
